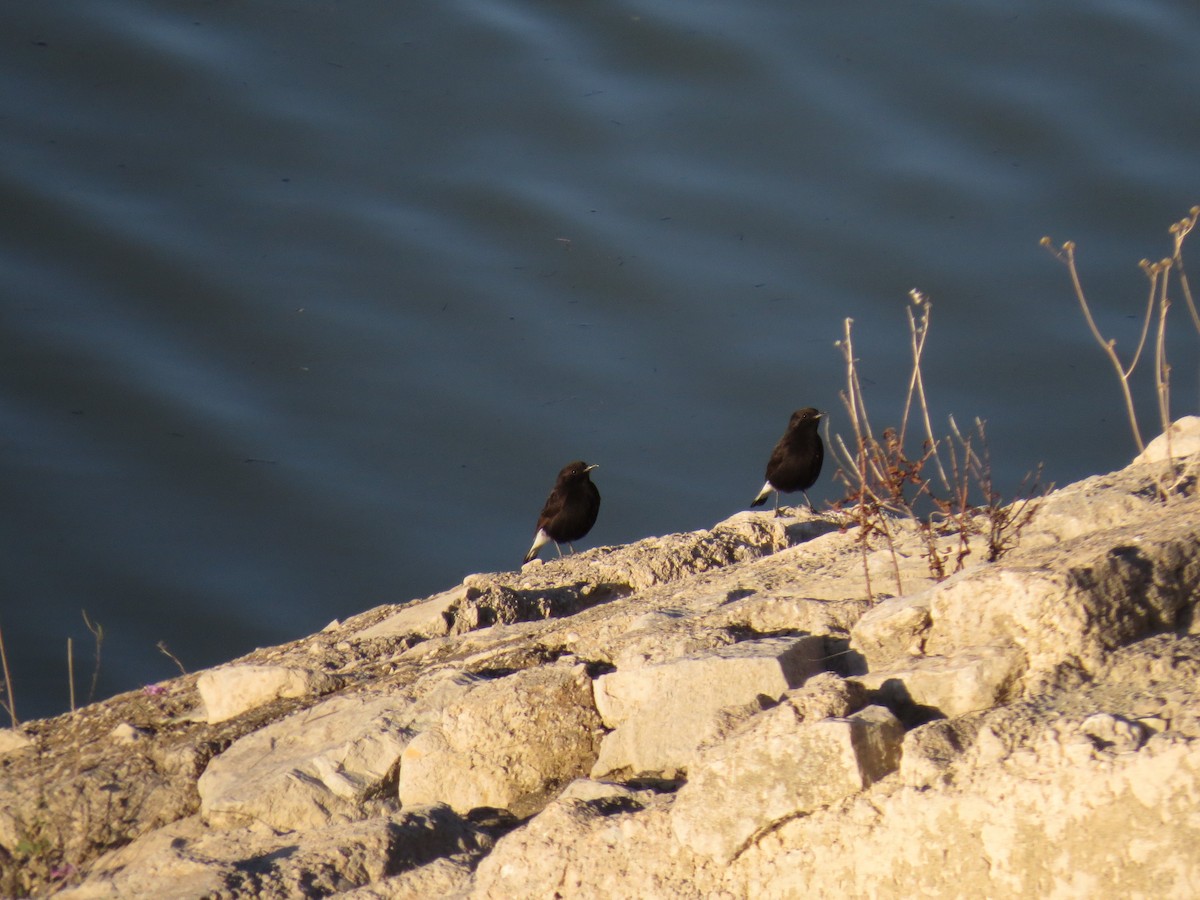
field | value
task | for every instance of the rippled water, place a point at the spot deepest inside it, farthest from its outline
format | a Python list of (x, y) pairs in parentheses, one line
[(303, 305)]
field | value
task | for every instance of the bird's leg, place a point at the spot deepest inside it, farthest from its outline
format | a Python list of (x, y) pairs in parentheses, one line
[(559, 549), (571, 546), (777, 504), (810, 503)]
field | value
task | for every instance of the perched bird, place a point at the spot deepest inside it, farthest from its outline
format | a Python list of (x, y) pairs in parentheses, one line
[(796, 460), (570, 510)]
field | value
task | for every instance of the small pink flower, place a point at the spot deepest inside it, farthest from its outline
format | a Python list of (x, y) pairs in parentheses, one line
[(154, 690), (58, 873)]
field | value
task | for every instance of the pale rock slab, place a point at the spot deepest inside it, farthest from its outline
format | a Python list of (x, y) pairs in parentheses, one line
[(320, 765), (1111, 501), (124, 733), (1057, 817), (185, 860), (778, 767), (1019, 621), (661, 560), (1094, 504), (229, 691), (157, 865), (506, 743), (1041, 817), (431, 617), (931, 750), (823, 696), (973, 679), (12, 740), (1114, 732), (662, 713), (664, 636), (587, 790), (593, 851), (442, 878), (776, 609), (1071, 605), (826, 695), (893, 629), (1181, 439)]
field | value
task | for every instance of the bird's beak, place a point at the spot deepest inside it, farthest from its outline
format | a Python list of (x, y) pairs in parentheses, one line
[(593, 466)]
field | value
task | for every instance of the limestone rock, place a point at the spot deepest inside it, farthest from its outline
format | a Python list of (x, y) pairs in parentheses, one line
[(12, 740), (430, 617), (1114, 732), (780, 767), (973, 679), (776, 608), (506, 743), (1180, 440), (1089, 506), (1056, 817), (593, 851), (826, 696), (443, 877), (587, 790), (931, 750), (124, 733), (318, 766), (893, 629), (662, 636), (159, 865), (186, 860), (229, 691), (1011, 627), (1070, 605), (661, 713), (661, 560)]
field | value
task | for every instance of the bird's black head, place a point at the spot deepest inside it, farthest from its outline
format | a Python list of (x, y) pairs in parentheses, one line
[(575, 471), (807, 416)]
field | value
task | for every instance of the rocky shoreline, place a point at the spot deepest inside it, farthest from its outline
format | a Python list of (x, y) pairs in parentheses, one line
[(724, 713)]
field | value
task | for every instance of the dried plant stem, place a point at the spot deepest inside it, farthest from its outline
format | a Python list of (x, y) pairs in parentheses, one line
[(891, 545), (978, 468), (1066, 255), (1159, 276), (11, 708), (862, 546), (98, 634), (883, 481), (853, 398), (1179, 231), (162, 648), (1162, 369), (918, 331), (71, 672)]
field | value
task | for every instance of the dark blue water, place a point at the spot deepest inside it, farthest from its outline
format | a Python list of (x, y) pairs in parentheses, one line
[(303, 305)]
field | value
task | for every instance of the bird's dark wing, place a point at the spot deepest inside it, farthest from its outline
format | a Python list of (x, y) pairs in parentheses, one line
[(554, 505), (778, 455)]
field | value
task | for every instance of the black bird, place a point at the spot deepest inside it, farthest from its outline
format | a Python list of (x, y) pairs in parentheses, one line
[(796, 460), (570, 510)]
